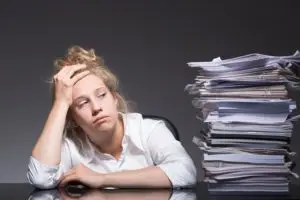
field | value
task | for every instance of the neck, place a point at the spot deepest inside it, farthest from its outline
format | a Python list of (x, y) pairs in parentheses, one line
[(113, 145)]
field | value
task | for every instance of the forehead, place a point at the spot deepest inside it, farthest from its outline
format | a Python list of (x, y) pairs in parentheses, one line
[(87, 85)]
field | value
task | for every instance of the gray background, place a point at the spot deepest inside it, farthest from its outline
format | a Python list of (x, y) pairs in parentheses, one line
[(146, 43)]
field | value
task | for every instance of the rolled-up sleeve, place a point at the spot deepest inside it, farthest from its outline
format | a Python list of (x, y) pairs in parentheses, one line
[(46, 176), (169, 155), (52, 194)]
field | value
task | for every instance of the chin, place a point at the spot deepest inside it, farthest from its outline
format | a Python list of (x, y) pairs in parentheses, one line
[(106, 126)]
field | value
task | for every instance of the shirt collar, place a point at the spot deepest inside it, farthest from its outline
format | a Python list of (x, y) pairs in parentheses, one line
[(91, 150), (132, 135)]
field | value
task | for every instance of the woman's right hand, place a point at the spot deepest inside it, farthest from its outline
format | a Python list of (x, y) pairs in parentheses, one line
[(64, 82)]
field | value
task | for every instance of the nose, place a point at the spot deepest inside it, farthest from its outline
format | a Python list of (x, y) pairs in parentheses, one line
[(96, 107)]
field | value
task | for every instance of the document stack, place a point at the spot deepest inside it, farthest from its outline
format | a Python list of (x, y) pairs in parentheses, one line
[(247, 115)]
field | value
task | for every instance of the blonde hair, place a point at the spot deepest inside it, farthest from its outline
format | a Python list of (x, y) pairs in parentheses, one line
[(95, 64)]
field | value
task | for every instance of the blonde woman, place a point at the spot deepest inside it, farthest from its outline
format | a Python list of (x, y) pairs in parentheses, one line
[(91, 137)]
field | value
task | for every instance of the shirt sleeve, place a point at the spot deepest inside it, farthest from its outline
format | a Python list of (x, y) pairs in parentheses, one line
[(45, 176), (169, 155), (52, 194)]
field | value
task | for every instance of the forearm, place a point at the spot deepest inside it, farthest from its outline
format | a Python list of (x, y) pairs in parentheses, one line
[(150, 177), (48, 147)]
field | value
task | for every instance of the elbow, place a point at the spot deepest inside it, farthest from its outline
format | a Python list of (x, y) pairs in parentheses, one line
[(182, 173), (40, 181), (187, 174), (42, 176)]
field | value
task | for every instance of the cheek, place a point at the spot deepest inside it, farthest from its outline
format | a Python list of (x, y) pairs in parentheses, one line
[(114, 102), (110, 103), (81, 116)]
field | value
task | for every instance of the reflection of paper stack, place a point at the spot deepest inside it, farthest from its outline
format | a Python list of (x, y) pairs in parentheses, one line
[(247, 112)]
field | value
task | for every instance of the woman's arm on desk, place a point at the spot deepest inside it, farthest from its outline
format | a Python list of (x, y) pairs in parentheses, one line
[(45, 162), (170, 156), (45, 166), (173, 167)]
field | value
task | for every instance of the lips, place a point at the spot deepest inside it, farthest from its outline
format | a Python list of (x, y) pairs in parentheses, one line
[(100, 120)]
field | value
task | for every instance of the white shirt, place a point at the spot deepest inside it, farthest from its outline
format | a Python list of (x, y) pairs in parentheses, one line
[(146, 142)]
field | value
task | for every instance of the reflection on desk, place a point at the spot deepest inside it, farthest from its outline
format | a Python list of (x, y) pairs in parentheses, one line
[(111, 194), (200, 192)]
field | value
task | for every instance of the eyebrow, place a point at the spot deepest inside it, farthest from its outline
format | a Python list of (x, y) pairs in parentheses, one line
[(101, 89)]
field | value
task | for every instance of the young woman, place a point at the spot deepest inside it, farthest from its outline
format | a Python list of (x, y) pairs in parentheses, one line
[(91, 137)]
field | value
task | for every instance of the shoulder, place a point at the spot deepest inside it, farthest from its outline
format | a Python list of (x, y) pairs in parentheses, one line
[(138, 126), (137, 121)]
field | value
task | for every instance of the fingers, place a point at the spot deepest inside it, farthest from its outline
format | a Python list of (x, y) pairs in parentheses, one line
[(69, 172), (73, 69), (79, 76), (68, 71), (66, 179)]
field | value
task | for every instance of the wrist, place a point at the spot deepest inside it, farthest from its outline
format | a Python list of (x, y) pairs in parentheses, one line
[(105, 180), (61, 105)]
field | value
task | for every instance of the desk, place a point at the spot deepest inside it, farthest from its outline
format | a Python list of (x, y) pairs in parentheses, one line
[(200, 192)]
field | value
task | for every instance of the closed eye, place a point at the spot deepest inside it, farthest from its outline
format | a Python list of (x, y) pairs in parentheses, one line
[(82, 103), (102, 95)]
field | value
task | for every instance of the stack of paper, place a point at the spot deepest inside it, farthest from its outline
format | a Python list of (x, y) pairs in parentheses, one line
[(247, 115)]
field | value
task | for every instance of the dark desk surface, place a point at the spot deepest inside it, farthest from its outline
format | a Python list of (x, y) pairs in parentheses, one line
[(26, 191)]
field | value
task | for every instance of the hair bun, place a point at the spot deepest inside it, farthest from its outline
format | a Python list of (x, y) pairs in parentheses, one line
[(78, 55), (77, 52)]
